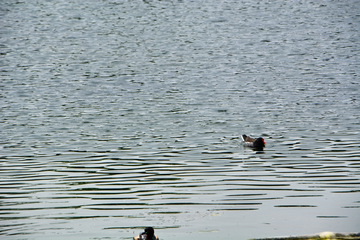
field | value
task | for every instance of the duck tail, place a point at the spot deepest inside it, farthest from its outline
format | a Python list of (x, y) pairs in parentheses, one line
[(244, 137)]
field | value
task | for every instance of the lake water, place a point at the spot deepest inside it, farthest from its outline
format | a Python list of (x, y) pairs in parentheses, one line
[(117, 115)]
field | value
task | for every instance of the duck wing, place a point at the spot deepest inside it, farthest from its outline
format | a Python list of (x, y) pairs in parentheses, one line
[(247, 138)]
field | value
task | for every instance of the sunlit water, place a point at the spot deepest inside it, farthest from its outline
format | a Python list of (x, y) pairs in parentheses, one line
[(117, 115)]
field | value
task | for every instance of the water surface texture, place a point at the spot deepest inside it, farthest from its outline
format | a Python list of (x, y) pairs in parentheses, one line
[(117, 115)]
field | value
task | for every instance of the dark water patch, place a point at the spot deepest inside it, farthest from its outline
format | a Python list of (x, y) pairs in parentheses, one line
[(166, 212), (233, 209), (13, 218), (295, 206), (304, 196), (331, 216), (117, 208), (344, 191), (259, 184), (315, 175), (78, 217), (250, 199), (247, 194), (38, 208)]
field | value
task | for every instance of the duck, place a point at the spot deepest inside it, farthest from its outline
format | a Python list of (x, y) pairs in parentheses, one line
[(258, 143), (148, 234)]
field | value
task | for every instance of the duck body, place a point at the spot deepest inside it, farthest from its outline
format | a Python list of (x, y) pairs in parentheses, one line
[(258, 143), (144, 237), (148, 234)]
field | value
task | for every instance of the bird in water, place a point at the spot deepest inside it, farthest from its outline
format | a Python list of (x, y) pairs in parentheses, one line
[(148, 234), (257, 143)]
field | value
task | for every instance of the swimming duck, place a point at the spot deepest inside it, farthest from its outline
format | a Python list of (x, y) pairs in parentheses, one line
[(252, 142), (148, 234)]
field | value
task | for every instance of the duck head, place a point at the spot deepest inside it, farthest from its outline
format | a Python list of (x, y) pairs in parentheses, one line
[(259, 143), (149, 232)]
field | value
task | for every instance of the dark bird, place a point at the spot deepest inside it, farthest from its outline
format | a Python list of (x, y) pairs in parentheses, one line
[(257, 143), (148, 234)]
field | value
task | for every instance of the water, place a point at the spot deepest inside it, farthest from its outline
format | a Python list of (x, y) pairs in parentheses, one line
[(117, 115)]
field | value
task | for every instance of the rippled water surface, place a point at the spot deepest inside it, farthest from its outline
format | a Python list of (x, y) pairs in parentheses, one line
[(117, 115)]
